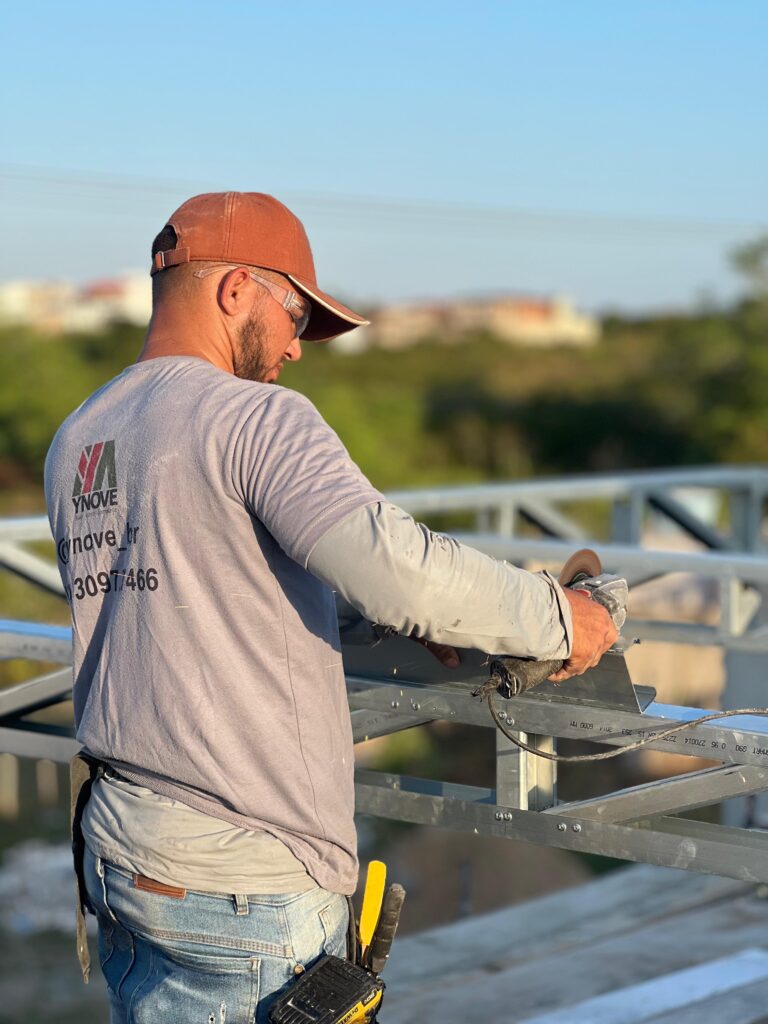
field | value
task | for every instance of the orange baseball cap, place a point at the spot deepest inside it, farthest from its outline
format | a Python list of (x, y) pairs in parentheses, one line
[(259, 231)]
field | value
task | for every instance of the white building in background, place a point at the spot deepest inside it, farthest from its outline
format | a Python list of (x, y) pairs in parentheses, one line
[(517, 319), (35, 303), (56, 307)]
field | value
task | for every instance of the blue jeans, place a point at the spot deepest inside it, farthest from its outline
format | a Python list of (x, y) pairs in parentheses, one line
[(210, 958)]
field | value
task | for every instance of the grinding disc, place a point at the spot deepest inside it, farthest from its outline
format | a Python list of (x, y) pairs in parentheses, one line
[(580, 565)]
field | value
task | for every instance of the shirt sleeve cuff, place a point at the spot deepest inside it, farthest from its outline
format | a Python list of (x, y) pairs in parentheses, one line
[(566, 616)]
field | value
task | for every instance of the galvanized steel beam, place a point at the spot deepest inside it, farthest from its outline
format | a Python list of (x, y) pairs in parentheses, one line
[(667, 796)]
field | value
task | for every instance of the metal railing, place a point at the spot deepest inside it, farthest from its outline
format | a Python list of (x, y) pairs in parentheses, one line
[(719, 512), (502, 507), (731, 549)]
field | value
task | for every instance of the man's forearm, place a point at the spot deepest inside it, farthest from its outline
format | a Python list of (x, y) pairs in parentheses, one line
[(354, 628), (398, 573)]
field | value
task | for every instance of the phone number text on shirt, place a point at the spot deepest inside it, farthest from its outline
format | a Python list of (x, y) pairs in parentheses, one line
[(114, 581)]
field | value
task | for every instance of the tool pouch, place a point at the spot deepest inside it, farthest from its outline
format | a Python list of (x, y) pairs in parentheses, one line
[(83, 770)]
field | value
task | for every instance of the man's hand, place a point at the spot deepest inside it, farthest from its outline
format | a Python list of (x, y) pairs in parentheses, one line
[(593, 633), (446, 655)]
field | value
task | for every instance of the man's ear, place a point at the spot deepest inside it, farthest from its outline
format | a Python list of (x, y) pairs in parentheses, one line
[(234, 291)]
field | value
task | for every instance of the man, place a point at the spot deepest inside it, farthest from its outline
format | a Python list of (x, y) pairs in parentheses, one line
[(203, 519)]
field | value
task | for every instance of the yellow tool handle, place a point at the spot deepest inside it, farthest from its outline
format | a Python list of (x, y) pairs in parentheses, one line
[(372, 898)]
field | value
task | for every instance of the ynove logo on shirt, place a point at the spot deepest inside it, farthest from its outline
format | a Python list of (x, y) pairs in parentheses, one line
[(96, 477)]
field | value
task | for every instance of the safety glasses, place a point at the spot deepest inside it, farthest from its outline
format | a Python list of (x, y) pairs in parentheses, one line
[(297, 307)]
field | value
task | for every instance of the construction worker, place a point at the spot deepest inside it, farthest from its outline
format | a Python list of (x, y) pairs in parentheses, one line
[(204, 518)]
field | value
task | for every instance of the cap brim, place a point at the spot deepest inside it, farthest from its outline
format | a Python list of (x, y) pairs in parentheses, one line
[(329, 317)]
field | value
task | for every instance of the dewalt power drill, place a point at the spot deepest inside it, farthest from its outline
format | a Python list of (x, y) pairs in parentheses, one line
[(338, 991)]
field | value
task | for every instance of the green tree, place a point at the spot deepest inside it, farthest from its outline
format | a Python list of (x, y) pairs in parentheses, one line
[(751, 260)]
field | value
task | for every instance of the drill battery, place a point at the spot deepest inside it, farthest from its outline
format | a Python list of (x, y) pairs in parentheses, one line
[(334, 991), (337, 991)]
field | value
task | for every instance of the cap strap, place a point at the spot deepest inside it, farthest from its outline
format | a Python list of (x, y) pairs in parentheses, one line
[(169, 258)]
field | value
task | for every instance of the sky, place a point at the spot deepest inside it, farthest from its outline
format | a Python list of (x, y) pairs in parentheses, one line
[(611, 152)]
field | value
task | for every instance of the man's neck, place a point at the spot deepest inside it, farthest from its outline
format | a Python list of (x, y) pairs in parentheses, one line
[(180, 336)]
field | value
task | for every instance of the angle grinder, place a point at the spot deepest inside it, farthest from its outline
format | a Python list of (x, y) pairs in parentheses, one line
[(584, 574)]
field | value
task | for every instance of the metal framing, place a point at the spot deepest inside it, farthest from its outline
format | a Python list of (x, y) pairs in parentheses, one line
[(639, 824), (395, 688)]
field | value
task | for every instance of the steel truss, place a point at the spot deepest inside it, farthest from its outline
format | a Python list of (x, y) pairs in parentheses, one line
[(643, 823), (396, 686)]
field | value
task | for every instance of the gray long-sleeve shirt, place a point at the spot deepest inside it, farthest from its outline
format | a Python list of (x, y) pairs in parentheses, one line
[(386, 569), (190, 511), (398, 573)]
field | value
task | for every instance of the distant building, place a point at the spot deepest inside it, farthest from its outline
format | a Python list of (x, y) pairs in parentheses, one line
[(521, 320), (56, 307), (35, 303)]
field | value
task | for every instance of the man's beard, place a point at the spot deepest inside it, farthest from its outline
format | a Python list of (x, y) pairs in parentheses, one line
[(251, 361)]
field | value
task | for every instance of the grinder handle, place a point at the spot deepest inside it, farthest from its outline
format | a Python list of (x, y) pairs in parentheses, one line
[(387, 926), (517, 675)]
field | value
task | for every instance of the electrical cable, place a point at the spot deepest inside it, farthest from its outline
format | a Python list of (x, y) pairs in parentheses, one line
[(605, 755), (427, 214)]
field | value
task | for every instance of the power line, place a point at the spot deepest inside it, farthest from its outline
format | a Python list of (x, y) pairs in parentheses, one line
[(422, 215)]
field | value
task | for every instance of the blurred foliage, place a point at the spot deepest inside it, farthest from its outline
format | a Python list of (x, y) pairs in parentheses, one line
[(751, 260), (657, 391), (653, 392), (660, 391)]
